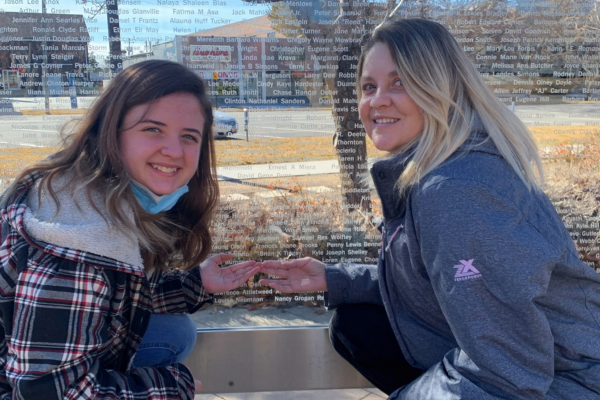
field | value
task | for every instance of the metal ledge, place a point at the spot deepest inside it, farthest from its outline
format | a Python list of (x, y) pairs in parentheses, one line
[(233, 360)]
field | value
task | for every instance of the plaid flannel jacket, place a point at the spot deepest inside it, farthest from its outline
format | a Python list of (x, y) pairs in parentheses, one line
[(71, 321)]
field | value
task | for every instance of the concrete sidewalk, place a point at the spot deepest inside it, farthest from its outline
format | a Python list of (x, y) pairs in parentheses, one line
[(281, 170), (338, 394)]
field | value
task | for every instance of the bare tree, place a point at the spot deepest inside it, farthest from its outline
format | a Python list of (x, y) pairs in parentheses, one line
[(111, 7), (337, 30)]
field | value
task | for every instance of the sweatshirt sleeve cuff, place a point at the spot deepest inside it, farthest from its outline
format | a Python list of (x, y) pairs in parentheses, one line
[(336, 286)]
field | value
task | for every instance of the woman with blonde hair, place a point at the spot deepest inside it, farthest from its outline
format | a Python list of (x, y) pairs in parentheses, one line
[(479, 292), (100, 247)]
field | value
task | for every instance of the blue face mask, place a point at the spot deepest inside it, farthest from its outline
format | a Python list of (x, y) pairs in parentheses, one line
[(154, 203)]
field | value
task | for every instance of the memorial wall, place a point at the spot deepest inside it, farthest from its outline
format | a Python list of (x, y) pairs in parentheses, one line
[(293, 156)]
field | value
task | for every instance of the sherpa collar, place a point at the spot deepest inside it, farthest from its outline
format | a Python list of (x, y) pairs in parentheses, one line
[(77, 233)]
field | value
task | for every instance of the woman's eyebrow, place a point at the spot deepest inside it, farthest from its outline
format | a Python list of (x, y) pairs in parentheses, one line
[(153, 121), (163, 124), (392, 74)]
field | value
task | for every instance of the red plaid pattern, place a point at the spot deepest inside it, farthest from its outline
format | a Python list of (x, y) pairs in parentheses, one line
[(71, 321)]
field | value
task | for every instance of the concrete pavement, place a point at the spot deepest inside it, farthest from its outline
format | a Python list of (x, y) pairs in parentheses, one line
[(281, 170), (337, 394)]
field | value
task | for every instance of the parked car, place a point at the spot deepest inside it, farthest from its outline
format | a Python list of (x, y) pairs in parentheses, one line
[(223, 124)]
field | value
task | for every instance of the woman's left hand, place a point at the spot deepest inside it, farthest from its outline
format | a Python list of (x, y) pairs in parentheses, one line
[(216, 279)]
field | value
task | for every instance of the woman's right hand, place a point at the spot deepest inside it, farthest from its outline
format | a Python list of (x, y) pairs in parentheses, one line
[(302, 275), (197, 386)]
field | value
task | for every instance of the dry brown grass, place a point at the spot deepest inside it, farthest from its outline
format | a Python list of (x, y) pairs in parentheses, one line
[(15, 158), (56, 111), (229, 152), (564, 135), (268, 151)]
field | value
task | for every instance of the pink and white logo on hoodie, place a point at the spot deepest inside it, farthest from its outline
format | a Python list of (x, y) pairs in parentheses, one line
[(465, 270)]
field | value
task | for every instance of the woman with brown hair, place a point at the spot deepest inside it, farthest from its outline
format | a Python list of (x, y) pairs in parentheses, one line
[(101, 242)]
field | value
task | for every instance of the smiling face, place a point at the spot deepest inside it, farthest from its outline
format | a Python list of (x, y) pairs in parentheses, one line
[(160, 143), (390, 116)]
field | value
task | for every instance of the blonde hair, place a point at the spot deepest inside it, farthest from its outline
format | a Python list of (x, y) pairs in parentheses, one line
[(439, 77), (178, 238)]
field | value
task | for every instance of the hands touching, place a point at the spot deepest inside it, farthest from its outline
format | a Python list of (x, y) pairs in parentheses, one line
[(216, 279), (302, 275)]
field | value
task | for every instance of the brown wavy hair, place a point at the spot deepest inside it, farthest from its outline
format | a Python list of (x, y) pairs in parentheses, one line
[(178, 238)]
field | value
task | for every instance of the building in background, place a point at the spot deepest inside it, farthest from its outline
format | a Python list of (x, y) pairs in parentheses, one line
[(35, 46), (250, 64)]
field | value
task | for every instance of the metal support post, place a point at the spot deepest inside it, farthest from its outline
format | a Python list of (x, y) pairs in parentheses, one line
[(246, 122)]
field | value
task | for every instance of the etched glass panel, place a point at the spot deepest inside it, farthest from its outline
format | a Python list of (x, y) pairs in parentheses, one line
[(292, 152)]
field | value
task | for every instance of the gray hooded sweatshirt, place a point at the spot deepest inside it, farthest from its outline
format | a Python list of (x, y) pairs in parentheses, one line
[(482, 284)]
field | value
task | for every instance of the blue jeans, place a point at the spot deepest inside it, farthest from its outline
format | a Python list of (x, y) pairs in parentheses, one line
[(168, 340)]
